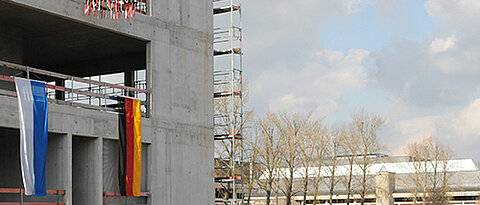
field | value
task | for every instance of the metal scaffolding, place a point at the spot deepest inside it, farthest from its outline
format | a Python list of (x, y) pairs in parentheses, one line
[(228, 116)]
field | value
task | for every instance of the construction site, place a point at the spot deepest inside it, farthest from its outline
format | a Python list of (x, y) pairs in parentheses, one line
[(164, 56)]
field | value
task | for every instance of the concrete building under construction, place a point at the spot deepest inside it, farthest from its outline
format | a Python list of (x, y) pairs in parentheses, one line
[(164, 57)]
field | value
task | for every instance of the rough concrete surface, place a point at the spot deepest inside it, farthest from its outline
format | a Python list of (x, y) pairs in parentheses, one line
[(177, 136)]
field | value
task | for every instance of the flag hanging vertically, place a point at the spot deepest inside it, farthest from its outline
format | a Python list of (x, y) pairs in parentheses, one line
[(33, 110), (130, 156)]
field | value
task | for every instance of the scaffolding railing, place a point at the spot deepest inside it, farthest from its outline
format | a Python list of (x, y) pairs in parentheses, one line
[(50, 192), (105, 95), (110, 196), (228, 116)]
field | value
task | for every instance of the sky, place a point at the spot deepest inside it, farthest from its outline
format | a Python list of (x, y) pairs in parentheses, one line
[(414, 62)]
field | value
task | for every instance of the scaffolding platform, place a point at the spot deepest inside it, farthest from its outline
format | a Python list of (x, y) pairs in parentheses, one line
[(227, 51), (227, 93), (225, 9), (228, 136)]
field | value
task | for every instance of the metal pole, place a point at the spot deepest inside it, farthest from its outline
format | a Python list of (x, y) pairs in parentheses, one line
[(90, 89), (105, 95), (71, 93), (240, 68), (28, 72), (232, 101), (99, 89), (21, 196)]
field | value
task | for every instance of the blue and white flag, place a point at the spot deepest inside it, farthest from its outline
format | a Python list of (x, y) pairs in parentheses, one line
[(33, 108)]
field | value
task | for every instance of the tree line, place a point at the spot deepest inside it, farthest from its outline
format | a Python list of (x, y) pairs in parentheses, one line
[(295, 154)]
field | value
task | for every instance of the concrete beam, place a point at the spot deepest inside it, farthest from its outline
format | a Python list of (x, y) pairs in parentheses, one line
[(73, 10), (69, 119)]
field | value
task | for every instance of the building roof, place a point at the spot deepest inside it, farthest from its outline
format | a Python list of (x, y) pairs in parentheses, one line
[(399, 167)]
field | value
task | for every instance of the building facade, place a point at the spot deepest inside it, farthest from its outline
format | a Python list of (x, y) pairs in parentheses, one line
[(163, 57)]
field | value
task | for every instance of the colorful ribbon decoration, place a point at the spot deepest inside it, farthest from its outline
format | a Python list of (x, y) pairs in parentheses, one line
[(119, 9)]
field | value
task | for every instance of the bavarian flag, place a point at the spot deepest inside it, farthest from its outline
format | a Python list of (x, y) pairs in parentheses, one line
[(33, 114), (130, 150)]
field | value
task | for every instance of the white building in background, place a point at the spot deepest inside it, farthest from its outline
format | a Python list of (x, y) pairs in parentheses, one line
[(389, 173)]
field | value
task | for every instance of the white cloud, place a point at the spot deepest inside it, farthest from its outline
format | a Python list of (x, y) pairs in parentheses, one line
[(303, 104), (411, 73), (460, 53), (429, 82), (457, 128), (468, 121), (315, 86), (352, 5), (441, 45), (433, 83), (285, 24), (418, 127), (456, 14)]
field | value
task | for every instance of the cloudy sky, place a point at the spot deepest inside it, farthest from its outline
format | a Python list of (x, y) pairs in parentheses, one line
[(414, 62)]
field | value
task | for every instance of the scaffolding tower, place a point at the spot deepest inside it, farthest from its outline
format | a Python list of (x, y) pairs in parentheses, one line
[(228, 116)]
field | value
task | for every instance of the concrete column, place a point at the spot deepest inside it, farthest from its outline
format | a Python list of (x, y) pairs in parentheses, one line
[(98, 171), (67, 174), (385, 186)]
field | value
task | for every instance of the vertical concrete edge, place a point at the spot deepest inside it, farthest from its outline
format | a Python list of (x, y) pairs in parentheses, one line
[(68, 162)]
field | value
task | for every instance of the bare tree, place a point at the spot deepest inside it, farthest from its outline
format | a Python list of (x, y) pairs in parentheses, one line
[(307, 152), (333, 149), (267, 148), (350, 147), (251, 169), (364, 130), (291, 128), (319, 143), (429, 160)]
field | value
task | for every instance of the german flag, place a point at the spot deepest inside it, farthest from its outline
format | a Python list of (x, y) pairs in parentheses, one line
[(130, 150)]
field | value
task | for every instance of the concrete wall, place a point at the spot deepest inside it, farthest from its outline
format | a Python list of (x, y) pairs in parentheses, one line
[(179, 166)]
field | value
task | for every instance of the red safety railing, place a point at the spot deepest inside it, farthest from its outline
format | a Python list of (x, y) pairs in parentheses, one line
[(102, 95), (21, 192)]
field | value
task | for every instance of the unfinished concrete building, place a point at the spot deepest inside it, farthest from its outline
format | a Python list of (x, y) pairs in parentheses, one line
[(163, 57)]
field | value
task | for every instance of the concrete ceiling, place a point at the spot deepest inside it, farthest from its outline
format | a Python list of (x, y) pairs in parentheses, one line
[(65, 46)]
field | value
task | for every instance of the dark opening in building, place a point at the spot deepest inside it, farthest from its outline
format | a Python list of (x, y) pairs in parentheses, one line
[(41, 40)]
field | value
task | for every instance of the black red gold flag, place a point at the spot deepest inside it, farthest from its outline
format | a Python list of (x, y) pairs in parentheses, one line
[(130, 147)]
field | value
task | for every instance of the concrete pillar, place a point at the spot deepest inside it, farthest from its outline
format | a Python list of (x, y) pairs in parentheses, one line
[(67, 161), (384, 187), (87, 170), (98, 171)]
